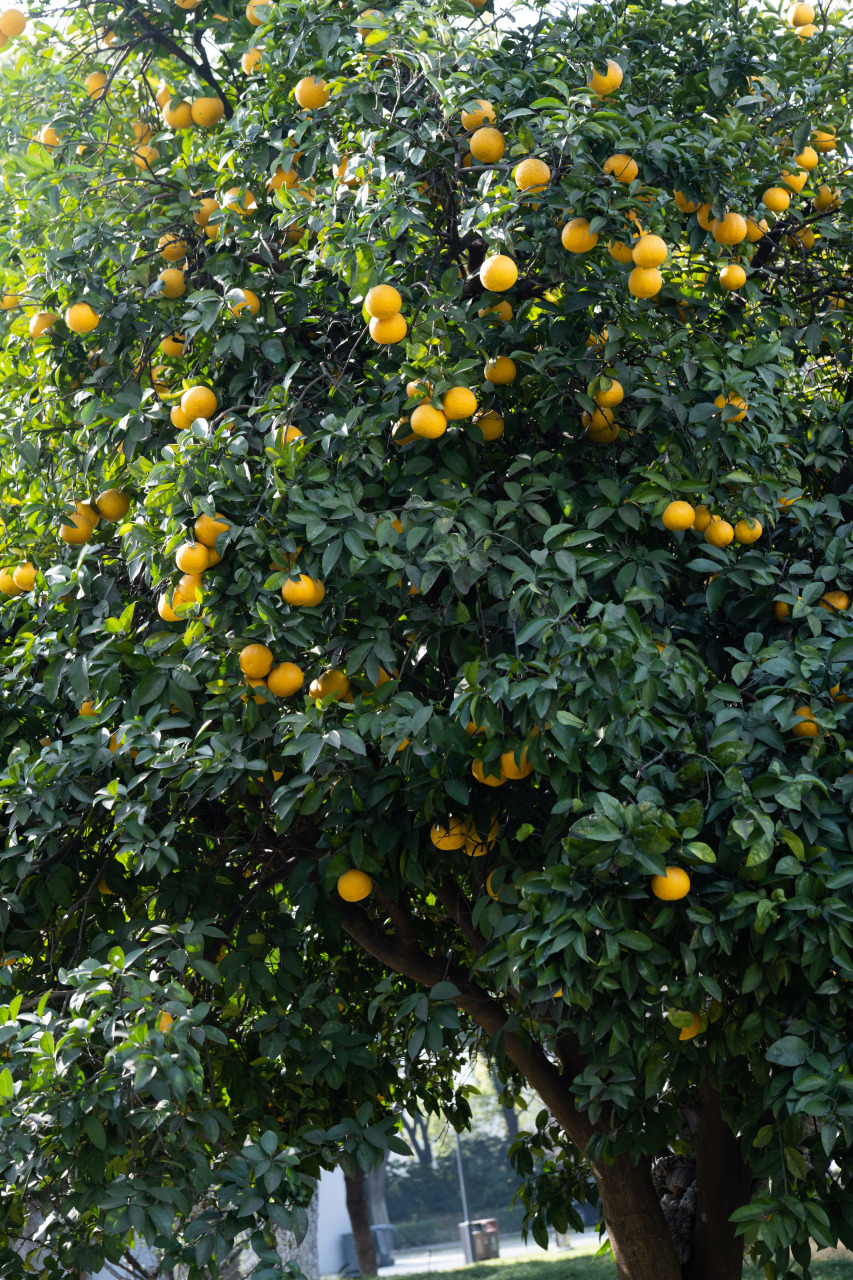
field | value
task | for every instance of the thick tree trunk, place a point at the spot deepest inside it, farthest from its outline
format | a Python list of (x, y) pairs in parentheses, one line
[(375, 1186), (359, 1216), (639, 1236), (723, 1185)]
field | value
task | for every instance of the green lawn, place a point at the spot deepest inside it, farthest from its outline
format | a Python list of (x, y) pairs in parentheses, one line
[(586, 1267)]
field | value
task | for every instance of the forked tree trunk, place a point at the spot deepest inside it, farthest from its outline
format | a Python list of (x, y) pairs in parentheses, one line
[(359, 1216), (724, 1183)]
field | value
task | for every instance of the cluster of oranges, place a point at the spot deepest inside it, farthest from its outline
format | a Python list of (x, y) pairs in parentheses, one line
[(680, 515)]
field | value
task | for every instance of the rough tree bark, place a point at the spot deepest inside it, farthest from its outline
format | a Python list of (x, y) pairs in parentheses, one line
[(639, 1237), (359, 1216), (723, 1185)]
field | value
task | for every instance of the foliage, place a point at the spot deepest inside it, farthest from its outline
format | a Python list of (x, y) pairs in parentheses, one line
[(174, 844)]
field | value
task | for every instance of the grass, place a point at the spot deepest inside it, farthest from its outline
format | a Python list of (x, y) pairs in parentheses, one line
[(576, 1266)]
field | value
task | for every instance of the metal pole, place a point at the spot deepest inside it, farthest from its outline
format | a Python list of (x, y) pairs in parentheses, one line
[(461, 1179)]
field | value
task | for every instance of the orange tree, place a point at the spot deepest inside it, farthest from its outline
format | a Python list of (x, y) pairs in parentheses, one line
[(426, 558)]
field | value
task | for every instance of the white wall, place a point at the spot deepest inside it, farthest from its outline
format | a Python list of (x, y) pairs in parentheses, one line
[(333, 1221)]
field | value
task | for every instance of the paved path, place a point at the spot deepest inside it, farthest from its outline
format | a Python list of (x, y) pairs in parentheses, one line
[(450, 1257)]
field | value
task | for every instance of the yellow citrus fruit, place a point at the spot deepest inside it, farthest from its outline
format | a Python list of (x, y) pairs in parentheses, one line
[(498, 273), (490, 779), (756, 231), (807, 159), (691, 1031), (835, 601), (621, 252), (476, 844), (354, 885), (458, 402), (645, 282), (776, 199), (748, 530), (76, 530), (532, 175), (255, 660), (491, 424), (428, 422), (577, 237), (248, 301), (240, 200), (483, 113), (81, 318), (174, 284), (729, 230), (649, 251), (179, 116), (501, 309), (207, 112), (732, 277), (729, 403), (172, 247), (94, 82), (198, 402), (621, 167), (8, 585), (611, 397), (205, 211), (609, 82), (50, 138), (285, 679), (796, 181), (188, 584), (207, 529), (487, 145), (450, 834), (252, 58), (42, 322), (145, 157), (192, 557), (303, 591), (683, 203), (387, 332), (719, 532), (164, 1021), (701, 519), (826, 199), (382, 302), (12, 23), (112, 504), (673, 885), (807, 727), (254, 682), (332, 683), (287, 178), (173, 345), (254, 18), (678, 515), (801, 15), (179, 419), (515, 769), (24, 576), (703, 216), (500, 371), (311, 93), (823, 141)]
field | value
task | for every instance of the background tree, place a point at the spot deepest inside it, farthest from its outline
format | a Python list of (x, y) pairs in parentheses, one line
[(485, 614)]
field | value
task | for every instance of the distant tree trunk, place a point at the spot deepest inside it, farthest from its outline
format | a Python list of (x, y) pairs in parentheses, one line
[(723, 1185), (416, 1129), (510, 1118), (359, 1216), (374, 1183)]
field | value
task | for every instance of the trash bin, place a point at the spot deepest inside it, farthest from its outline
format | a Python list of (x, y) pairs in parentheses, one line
[(480, 1239), (384, 1242)]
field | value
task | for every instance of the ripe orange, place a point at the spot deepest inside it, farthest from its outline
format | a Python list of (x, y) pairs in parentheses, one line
[(198, 402), (483, 113), (516, 769), (179, 116), (112, 504), (701, 519), (382, 302), (732, 277), (458, 402), (755, 231), (576, 236), (207, 530), (387, 332), (487, 145), (12, 23), (173, 282), (645, 282), (835, 601), (678, 515), (623, 168), (728, 403), (719, 532), (192, 557), (81, 318), (24, 576), (491, 424), (495, 779), (76, 530), (611, 397), (207, 112), (649, 251), (94, 83), (685, 205), (672, 886), (255, 660), (332, 683), (532, 175), (807, 728), (689, 1032), (449, 834), (354, 885), (609, 82), (500, 371), (247, 301), (42, 322), (285, 679), (172, 247), (502, 310), (748, 530), (730, 229), (173, 345), (776, 199), (8, 585), (498, 273), (428, 422), (303, 592), (311, 93)]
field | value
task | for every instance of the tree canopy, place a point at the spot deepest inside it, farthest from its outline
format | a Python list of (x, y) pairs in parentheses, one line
[(426, 572)]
